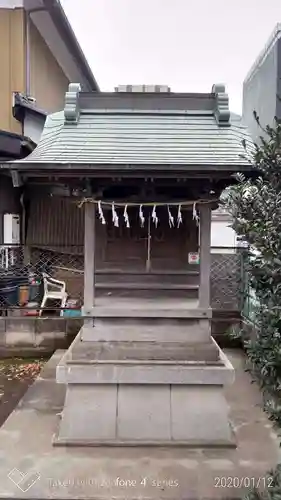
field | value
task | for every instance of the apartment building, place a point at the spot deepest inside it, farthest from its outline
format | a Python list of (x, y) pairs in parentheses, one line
[(262, 86), (39, 56)]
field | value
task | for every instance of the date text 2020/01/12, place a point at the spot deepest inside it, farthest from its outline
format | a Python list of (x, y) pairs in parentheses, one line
[(243, 482)]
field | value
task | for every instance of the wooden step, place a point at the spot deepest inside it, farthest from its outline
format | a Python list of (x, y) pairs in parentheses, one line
[(137, 294), (147, 290), (189, 277), (194, 269), (146, 286), (117, 312)]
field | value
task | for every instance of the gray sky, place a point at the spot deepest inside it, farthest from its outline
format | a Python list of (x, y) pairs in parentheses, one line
[(186, 44)]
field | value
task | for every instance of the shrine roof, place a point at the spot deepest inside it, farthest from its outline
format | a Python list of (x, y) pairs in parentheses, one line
[(146, 129)]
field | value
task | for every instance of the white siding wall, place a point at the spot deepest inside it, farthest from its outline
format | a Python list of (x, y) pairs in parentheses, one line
[(33, 127), (222, 236), (11, 4)]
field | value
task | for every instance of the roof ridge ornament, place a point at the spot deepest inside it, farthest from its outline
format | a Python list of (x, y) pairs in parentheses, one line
[(143, 88), (222, 112), (71, 106)]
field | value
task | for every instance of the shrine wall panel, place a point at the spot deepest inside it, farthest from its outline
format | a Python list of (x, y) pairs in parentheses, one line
[(54, 222), (58, 224)]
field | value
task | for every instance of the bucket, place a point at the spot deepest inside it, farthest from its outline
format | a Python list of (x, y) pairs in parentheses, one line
[(9, 296), (23, 295)]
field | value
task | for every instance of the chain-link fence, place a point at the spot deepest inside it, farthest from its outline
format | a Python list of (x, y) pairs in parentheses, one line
[(50, 280), (226, 278), (250, 303), (40, 280)]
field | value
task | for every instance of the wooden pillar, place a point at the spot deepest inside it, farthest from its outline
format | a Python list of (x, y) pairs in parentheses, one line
[(148, 257), (205, 256), (89, 259)]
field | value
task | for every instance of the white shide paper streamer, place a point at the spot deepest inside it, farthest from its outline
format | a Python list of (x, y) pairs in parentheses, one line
[(179, 216), (154, 216), (115, 218), (126, 216), (171, 218), (195, 215), (173, 221), (141, 216), (101, 216)]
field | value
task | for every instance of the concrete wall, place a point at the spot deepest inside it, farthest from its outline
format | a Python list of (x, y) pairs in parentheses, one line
[(48, 82), (260, 90), (12, 64), (31, 336), (278, 101)]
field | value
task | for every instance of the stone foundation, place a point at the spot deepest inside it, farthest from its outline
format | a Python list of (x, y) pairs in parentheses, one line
[(145, 393), (142, 414)]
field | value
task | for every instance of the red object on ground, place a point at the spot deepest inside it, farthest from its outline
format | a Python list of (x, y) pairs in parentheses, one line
[(31, 313)]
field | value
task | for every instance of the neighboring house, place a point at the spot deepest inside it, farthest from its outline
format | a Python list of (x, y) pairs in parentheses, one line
[(262, 86), (261, 92), (39, 56), (223, 237)]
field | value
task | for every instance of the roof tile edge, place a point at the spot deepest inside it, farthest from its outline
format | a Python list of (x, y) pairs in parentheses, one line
[(222, 112), (71, 106)]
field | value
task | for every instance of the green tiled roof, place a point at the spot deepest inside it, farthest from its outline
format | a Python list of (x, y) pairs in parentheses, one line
[(141, 136)]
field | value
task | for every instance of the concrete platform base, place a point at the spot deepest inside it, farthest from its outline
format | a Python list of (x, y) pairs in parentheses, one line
[(145, 415), (133, 473), (144, 393)]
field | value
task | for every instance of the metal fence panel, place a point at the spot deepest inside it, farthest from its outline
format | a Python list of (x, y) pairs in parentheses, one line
[(23, 268), (226, 279)]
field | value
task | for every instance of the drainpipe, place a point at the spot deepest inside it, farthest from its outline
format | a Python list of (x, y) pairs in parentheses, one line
[(27, 54), (26, 249)]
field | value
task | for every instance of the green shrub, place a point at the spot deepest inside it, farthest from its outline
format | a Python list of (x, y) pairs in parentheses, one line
[(255, 205)]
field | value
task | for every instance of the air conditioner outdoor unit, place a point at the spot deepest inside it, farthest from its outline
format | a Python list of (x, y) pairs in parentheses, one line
[(11, 229)]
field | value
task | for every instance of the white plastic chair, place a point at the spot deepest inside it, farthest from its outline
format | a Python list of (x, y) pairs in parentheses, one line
[(53, 290)]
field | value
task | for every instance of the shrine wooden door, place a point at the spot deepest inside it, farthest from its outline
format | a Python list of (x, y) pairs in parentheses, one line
[(169, 246), (148, 248), (124, 248)]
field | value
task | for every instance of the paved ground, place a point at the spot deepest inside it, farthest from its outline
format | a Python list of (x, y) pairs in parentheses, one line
[(129, 473), (16, 375)]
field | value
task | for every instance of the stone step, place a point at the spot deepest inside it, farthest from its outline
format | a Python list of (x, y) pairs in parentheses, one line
[(180, 278), (131, 363), (150, 312), (92, 352), (146, 329), (138, 372)]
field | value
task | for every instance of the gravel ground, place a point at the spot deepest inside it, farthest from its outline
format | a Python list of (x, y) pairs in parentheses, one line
[(16, 375)]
